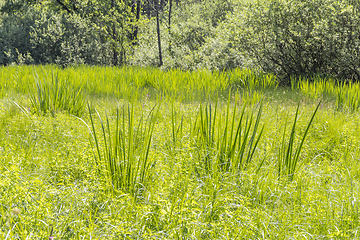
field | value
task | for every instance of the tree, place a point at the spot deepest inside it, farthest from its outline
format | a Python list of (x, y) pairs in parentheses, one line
[(158, 32), (169, 25), (301, 38), (113, 24)]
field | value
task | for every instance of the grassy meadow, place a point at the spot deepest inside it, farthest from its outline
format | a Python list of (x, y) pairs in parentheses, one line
[(140, 153)]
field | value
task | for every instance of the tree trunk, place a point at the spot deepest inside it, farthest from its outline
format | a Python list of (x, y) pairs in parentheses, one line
[(158, 32), (148, 9), (136, 27), (169, 27), (115, 52)]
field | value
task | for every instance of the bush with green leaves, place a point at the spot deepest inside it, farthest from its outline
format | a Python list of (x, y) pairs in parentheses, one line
[(67, 40), (15, 39), (40, 36), (300, 37)]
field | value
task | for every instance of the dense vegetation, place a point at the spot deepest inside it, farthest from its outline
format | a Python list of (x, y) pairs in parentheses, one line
[(179, 119), (138, 153), (287, 38)]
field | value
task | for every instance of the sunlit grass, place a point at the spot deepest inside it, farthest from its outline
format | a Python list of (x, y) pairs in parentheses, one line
[(204, 163)]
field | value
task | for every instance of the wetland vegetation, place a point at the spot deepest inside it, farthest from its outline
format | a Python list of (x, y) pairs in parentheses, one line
[(139, 153)]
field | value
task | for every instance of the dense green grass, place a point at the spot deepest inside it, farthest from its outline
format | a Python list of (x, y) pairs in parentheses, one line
[(202, 154)]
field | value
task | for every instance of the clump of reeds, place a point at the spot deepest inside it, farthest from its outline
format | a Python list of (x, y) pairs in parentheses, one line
[(57, 95), (226, 144), (122, 150), (289, 154)]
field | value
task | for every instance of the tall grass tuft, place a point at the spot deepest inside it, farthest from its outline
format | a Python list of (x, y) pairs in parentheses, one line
[(347, 94), (122, 152), (227, 144), (348, 97), (252, 80), (288, 156), (57, 95)]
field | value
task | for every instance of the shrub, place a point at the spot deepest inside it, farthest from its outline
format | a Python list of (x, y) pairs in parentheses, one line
[(301, 37), (43, 36)]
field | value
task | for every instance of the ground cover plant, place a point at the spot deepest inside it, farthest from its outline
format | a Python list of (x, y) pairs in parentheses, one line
[(176, 155)]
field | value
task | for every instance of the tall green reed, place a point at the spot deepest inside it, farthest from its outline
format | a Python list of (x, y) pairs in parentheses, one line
[(122, 151), (252, 80), (57, 95), (348, 96), (121, 82), (227, 144), (288, 155)]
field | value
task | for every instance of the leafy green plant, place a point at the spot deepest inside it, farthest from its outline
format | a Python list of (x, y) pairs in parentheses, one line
[(302, 38), (288, 156), (122, 154), (57, 95)]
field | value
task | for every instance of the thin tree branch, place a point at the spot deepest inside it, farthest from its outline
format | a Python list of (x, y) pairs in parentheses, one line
[(63, 6)]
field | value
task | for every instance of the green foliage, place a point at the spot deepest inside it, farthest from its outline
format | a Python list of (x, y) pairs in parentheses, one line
[(291, 39), (301, 37), (68, 40), (42, 33), (15, 44), (194, 40), (57, 95), (43, 36)]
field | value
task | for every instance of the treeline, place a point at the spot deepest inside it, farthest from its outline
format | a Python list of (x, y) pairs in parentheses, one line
[(285, 37)]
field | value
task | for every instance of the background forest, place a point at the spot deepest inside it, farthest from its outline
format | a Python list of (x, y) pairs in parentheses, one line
[(288, 38)]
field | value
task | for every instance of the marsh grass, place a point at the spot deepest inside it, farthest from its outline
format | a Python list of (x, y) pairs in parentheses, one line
[(226, 144), (169, 189), (55, 95), (123, 154), (124, 82), (348, 97), (345, 94), (176, 128), (289, 155), (252, 80)]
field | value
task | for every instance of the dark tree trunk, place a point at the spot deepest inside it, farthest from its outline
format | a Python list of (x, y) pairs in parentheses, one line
[(158, 32), (115, 52), (169, 27), (148, 9), (136, 27)]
